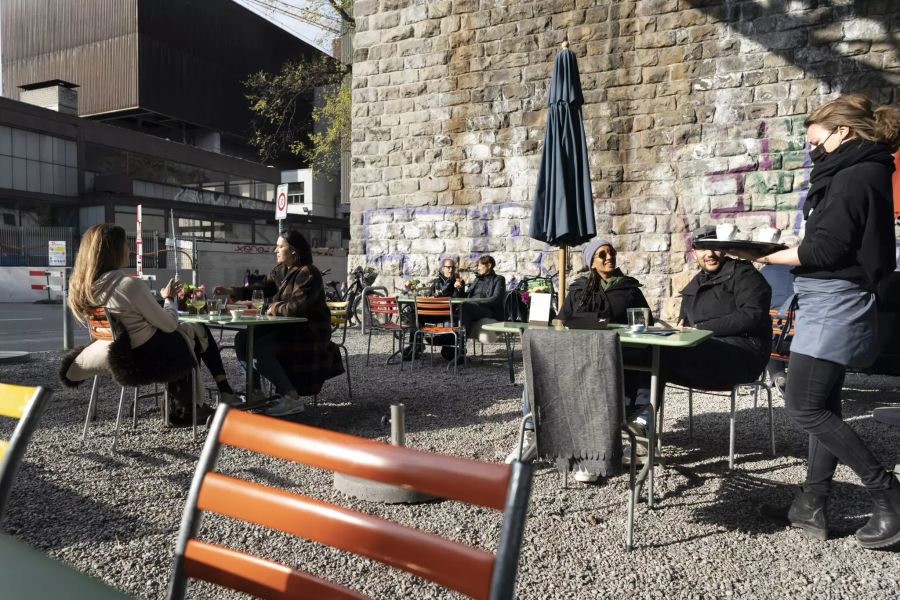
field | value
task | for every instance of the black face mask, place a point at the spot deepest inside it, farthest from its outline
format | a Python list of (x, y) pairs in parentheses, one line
[(819, 153)]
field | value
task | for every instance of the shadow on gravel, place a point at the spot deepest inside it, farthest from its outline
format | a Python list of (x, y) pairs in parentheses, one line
[(36, 514), (176, 454), (737, 502)]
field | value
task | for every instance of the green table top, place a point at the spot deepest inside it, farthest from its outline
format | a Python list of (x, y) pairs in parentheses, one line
[(683, 339), (28, 574), (411, 299), (243, 321)]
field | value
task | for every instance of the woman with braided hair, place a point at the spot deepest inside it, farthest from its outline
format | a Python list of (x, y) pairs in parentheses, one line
[(606, 293)]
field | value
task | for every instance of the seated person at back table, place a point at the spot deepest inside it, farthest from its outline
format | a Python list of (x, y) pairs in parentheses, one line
[(298, 357), (446, 284), (606, 293), (730, 298), (486, 284)]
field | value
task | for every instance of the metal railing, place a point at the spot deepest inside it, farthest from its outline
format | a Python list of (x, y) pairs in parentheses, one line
[(29, 246)]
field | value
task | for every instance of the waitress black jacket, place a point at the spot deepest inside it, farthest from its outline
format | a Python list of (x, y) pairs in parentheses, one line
[(733, 303), (850, 221), (612, 303)]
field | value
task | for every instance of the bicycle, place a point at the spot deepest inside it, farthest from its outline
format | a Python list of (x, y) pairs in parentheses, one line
[(360, 279)]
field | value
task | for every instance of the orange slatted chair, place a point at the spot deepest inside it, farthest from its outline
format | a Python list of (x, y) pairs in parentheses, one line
[(441, 307), (471, 571), (384, 318)]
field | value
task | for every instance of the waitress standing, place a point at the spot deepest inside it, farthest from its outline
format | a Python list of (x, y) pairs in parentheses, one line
[(848, 248)]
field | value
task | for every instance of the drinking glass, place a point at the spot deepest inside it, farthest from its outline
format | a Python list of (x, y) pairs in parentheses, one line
[(257, 300), (638, 319), (214, 306), (198, 303)]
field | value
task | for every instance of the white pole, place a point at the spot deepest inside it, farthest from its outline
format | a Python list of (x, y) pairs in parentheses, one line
[(174, 241), (139, 243)]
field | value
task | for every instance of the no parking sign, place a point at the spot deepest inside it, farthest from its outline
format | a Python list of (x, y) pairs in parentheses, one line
[(281, 202)]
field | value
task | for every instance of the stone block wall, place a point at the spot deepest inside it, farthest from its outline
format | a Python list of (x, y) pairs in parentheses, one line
[(693, 114)]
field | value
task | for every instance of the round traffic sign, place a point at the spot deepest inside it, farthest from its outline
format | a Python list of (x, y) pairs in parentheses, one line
[(282, 201)]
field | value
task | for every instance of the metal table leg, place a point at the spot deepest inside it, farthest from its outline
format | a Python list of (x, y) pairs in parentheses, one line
[(249, 388), (647, 471), (507, 337)]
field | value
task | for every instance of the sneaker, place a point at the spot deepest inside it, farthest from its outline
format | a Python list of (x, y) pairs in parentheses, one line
[(255, 396), (585, 476), (529, 449), (229, 398), (286, 405)]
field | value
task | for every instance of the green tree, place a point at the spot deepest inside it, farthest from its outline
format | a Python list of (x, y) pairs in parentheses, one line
[(281, 102)]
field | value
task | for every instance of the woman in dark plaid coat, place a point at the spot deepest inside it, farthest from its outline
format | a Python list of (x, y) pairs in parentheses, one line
[(296, 358)]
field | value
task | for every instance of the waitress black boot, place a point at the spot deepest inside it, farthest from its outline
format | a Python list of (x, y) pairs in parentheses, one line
[(807, 512), (883, 529)]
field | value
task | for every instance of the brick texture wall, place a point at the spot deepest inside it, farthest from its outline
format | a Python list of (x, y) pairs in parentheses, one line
[(693, 114)]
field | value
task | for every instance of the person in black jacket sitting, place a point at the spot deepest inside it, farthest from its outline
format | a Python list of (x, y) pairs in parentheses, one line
[(447, 284), (606, 293), (730, 298), (487, 284)]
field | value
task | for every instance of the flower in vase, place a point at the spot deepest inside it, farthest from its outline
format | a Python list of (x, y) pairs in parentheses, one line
[(411, 285)]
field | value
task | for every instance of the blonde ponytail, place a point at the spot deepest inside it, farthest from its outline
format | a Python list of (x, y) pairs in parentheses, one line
[(887, 125)]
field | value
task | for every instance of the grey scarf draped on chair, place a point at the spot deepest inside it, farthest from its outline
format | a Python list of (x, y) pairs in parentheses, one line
[(575, 388)]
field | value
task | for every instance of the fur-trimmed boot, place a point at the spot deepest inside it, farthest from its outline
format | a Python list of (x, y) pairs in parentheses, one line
[(807, 512), (882, 531)]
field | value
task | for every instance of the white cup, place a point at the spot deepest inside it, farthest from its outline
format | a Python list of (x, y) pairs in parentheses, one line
[(768, 234), (725, 231)]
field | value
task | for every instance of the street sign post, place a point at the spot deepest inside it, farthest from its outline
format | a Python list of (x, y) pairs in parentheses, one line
[(281, 205), (139, 243)]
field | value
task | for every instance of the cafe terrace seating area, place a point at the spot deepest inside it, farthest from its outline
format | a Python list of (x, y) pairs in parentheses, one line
[(115, 516)]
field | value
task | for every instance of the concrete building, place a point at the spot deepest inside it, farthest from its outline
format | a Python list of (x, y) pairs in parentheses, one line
[(165, 124)]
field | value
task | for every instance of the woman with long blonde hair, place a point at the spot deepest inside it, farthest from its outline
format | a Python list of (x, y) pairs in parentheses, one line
[(159, 347)]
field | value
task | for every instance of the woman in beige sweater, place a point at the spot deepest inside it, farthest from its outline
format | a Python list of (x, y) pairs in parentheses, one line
[(153, 331)]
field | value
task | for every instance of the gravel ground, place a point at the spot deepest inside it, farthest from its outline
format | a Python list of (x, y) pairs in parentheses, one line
[(115, 516)]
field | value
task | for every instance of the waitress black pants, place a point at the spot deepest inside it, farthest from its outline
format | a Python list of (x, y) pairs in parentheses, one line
[(813, 401)]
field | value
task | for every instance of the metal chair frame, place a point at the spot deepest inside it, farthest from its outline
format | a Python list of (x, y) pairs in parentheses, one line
[(732, 394), (381, 311), (471, 571), (26, 404), (340, 317), (101, 326), (441, 307)]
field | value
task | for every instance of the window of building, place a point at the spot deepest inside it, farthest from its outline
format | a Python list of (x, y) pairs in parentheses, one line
[(264, 232), (297, 193), (153, 219), (34, 162)]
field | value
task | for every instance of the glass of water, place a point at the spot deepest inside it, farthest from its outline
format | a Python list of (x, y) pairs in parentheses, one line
[(214, 306), (638, 319)]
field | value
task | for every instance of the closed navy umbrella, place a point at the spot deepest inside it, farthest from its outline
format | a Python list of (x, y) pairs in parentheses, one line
[(563, 212)]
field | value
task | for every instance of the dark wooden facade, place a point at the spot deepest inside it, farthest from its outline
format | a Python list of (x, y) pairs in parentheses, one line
[(92, 44), (164, 61)]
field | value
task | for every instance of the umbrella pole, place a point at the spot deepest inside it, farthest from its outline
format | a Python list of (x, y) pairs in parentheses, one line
[(562, 276)]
